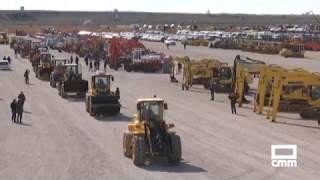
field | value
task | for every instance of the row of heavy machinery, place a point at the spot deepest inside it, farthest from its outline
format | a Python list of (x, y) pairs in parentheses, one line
[(148, 133), (127, 53), (285, 49), (279, 89)]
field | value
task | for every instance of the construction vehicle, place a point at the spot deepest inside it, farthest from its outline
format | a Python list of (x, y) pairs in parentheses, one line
[(45, 66), (100, 99), (58, 71), (120, 51), (293, 50), (144, 60), (245, 70), (199, 72), (289, 90), (149, 134), (4, 38), (72, 82)]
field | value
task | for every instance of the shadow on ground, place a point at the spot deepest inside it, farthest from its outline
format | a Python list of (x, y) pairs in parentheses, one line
[(161, 165), (109, 118), (297, 125)]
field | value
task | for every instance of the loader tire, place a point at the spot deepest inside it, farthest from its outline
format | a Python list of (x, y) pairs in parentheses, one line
[(174, 155), (127, 151), (138, 151)]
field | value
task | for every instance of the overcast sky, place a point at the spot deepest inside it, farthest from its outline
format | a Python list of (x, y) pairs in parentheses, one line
[(192, 6)]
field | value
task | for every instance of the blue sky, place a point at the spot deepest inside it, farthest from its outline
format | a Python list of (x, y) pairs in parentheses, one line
[(197, 6)]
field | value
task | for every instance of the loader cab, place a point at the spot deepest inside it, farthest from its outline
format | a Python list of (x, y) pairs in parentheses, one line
[(101, 82), (73, 71), (151, 109)]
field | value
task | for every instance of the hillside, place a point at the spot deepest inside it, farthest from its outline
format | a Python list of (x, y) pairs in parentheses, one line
[(108, 18)]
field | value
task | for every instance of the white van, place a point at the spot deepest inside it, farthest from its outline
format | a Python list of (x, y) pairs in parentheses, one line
[(4, 65)]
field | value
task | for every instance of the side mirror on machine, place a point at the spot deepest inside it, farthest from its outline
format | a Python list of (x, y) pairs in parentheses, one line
[(165, 106), (138, 106)]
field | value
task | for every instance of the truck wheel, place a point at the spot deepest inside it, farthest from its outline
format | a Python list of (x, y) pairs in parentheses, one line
[(138, 151), (127, 151), (174, 155)]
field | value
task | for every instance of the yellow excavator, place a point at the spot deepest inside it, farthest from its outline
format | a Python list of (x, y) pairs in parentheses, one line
[(245, 70), (295, 90), (200, 72)]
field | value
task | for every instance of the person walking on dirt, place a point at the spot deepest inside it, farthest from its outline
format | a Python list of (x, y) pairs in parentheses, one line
[(105, 65), (233, 101), (19, 111), (13, 107), (185, 45), (9, 59), (26, 76), (90, 66), (212, 91), (71, 60), (86, 60), (77, 60), (22, 97)]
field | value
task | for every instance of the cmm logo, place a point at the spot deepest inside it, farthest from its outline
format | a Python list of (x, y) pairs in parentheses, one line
[(288, 157)]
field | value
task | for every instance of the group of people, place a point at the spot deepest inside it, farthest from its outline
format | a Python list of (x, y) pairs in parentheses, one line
[(7, 58), (76, 60), (17, 108), (94, 65)]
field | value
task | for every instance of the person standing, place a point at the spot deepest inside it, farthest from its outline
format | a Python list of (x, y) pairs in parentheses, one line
[(9, 59), (105, 65), (185, 45), (212, 91), (19, 111), (22, 97), (90, 66), (77, 60), (86, 59), (71, 60), (233, 101), (26, 76), (13, 107)]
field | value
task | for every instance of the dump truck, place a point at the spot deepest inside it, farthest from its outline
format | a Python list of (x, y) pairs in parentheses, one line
[(120, 51), (58, 71), (45, 66), (100, 99), (149, 135), (144, 60), (72, 82)]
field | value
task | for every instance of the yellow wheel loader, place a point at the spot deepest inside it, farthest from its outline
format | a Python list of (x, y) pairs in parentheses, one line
[(149, 135), (100, 99)]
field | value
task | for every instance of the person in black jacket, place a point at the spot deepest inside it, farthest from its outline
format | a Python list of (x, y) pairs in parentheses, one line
[(19, 111), (233, 100), (22, 97), (13, 106), (77, 60)]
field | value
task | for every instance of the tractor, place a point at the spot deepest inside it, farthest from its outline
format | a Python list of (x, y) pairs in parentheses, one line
[(100, 99), (58, 71), (45, 66), (72, 82), (149, 135)]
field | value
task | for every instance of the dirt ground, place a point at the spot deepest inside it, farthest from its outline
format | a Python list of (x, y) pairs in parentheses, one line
[(60, 140)]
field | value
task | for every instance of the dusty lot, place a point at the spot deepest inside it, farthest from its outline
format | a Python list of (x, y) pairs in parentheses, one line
[(59, 140)]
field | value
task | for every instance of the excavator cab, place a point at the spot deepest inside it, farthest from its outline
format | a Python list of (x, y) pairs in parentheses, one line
[(150, 135)]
